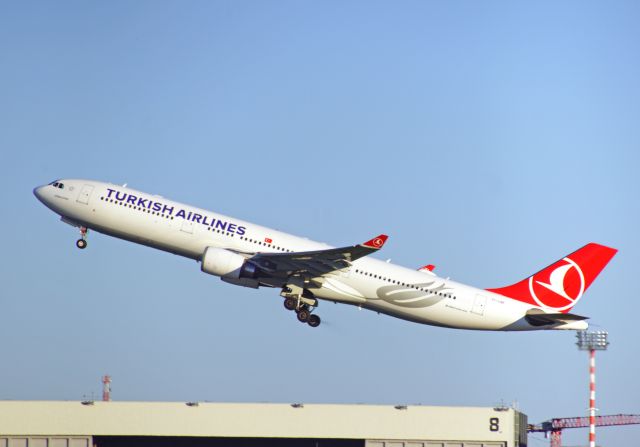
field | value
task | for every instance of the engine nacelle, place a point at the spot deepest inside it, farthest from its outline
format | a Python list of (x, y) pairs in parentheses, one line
[(221, 262), (244, 282), (229, 266)]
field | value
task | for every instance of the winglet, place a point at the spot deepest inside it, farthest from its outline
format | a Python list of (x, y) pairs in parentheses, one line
[(377, 242)]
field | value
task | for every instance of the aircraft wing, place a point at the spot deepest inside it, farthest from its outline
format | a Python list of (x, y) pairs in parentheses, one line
[(316, 263)]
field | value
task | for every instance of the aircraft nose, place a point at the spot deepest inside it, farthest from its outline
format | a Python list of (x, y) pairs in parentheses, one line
[(38, 192)]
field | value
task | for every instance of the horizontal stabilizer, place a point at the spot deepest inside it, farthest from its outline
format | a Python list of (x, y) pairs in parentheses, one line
[(536, 317)]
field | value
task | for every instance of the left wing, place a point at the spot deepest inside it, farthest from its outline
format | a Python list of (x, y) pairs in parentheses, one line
[(315, 263)]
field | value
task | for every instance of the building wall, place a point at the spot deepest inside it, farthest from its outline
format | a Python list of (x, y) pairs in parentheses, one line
[(50, 441), (400, 443), (308, 421)]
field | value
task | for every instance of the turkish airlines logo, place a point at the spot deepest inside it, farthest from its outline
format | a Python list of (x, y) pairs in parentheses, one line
[(377, 242), (559, 290)]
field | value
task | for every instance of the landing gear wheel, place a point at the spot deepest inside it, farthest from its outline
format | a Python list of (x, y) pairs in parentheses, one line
[(290, 304), (314, 320), (303, 315), (81, 244)]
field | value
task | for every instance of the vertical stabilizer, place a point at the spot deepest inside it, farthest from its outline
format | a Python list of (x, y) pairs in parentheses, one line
[(560, 286)]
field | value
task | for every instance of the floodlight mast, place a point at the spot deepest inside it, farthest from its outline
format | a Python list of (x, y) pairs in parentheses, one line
[(592, 342)]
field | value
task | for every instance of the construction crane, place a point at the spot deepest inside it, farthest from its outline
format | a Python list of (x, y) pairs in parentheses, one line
[(556, 425)]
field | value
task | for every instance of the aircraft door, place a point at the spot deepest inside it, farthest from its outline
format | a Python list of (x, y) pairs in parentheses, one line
[(187, 226), (85, 194), (479, 304)]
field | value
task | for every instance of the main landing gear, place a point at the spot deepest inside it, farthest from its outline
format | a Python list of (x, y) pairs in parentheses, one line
[(302, 306), (82, 242), (303, 312)]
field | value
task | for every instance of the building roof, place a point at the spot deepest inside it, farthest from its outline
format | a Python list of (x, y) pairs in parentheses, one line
[(48, 418)]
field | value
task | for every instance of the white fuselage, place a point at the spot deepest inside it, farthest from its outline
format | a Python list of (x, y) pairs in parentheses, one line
[(370, 283)]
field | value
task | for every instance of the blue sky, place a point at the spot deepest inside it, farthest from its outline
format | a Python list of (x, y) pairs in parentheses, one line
[(488, 138)]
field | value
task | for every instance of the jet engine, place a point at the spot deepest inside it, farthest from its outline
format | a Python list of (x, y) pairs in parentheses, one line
[(229, 266)]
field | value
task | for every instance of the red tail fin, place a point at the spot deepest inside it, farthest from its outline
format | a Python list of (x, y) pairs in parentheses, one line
[(559, 286)]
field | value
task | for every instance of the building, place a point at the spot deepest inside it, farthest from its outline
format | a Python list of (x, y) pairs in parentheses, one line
[(193, 424)]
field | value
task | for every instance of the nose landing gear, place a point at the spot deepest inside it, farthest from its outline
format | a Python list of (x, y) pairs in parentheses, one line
[(82, 242)]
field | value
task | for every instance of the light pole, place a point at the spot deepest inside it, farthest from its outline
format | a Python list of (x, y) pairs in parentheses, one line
[(592, 342)]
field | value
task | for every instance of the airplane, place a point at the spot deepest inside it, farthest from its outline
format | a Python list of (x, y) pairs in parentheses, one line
[(249, 255)]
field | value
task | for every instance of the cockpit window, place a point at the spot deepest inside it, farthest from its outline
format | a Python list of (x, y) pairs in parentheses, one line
[(57, 185)]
